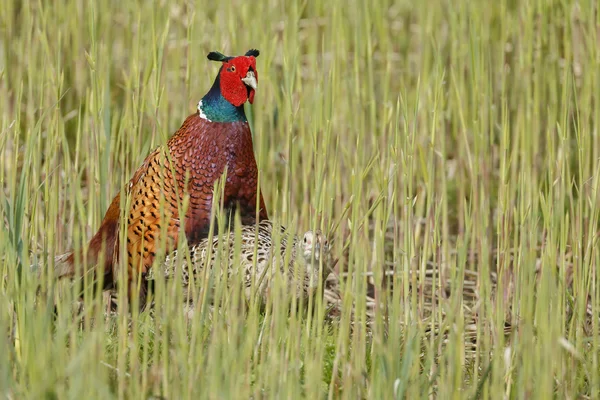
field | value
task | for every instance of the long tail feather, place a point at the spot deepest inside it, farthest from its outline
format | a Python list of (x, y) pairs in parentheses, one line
[(64, 266), (102, 246)]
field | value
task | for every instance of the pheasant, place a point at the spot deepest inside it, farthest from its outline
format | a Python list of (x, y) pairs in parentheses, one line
[(298, 264), (215, 137)]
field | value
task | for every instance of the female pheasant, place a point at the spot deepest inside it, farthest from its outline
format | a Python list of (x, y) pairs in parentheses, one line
[(216, 137), (298, 264)]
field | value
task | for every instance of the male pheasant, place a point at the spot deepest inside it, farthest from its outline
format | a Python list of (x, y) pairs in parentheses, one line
[(299, 264), (216, 137)]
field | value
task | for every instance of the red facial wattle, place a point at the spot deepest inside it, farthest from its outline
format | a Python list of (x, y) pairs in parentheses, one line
[(233, 76), (251, 96)]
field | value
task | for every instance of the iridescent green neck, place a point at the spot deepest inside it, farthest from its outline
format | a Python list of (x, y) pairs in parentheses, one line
[(214, 107)]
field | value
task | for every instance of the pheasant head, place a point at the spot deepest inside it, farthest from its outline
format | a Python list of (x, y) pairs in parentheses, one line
[(315, 246), (315, 249), (235, 84)]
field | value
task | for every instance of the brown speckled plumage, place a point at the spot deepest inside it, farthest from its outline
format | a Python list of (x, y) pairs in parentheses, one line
[(298, 259), (265, 250)]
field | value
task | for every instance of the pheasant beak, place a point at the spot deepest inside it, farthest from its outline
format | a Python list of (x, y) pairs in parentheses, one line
[(251, 84), (250, 80), (317, 249)]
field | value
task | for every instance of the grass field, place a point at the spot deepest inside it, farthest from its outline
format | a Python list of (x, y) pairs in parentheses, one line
[(453, 143)]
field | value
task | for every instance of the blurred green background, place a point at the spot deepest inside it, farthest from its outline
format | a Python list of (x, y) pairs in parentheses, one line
[(449, 145)]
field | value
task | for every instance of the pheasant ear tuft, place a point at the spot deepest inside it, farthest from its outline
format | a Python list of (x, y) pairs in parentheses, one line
[(252, 52), (216, 56)]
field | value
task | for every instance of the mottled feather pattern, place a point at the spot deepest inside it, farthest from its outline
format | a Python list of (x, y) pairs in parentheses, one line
[(257, 240), (155, 186)]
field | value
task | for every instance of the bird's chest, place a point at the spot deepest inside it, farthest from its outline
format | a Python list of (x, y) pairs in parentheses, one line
[(204, 165), (208, 166), (203, 156)]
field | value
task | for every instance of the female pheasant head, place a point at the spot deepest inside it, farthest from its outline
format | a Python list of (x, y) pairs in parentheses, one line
[(315, 248), (235, 84), (315, 252)]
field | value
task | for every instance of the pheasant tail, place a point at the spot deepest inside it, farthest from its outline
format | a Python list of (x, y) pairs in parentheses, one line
[(105, 239)]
